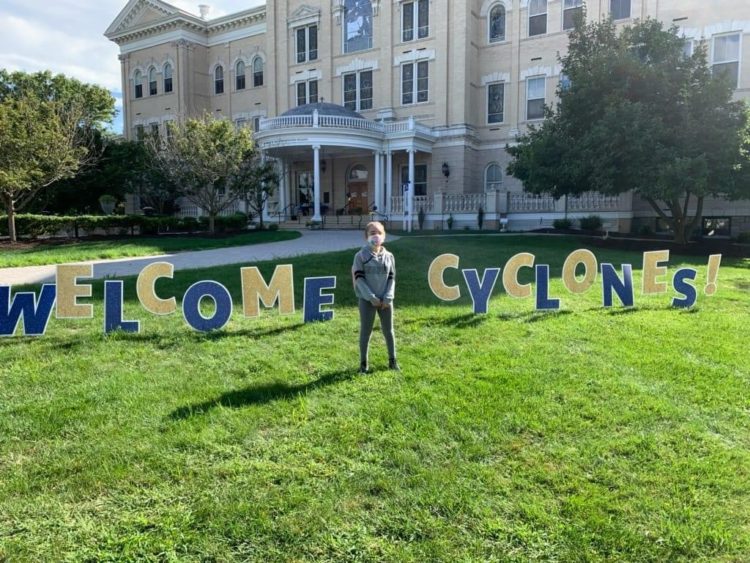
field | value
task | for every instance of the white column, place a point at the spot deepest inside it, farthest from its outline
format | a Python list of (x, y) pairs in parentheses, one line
[(378, 184), (316, 179), (388, 181), (411, 189), (282, 187)]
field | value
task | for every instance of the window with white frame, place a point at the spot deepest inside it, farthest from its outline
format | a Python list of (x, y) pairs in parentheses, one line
[(414, 83), (619, 9), (256, 124), (307, 92), (258, 65), (725, 58), (687, 48), (155, 130), (415, 20), (169, 129), (495, 102), (140, 133), (358, 90), (497, 24), (535, 88), (152, 90), (493, 177), (138, 81), (167, 78), (420, 178), (565, 82), (537, 17), (240, 123), (219, 80), (239, 75), (307, 43), (571, 10), (357, 25)]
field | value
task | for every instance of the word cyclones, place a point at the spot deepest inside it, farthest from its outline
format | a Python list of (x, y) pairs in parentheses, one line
[(654, 269), (33, 312)]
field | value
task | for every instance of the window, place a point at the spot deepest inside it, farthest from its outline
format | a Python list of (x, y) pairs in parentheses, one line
[(619, 9), (240, 123), (493, 177), (537, 17), (687, 48), (495, 102), (415, 15), (717, 226), (358, 90), (256, 124), (138, 80), (357, 25), (565, 82), (535, 97), (239, 76), (420, 178), (152, 82), (307, 43), (167, 78), (571, 10), (258, 72), (307, 92), (155, 130), (497, 24), (726, 57), (169, 129), (219, 80), (412, 89), (139, 133)]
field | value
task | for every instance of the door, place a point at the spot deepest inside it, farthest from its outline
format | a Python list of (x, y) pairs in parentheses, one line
[(357, 189)]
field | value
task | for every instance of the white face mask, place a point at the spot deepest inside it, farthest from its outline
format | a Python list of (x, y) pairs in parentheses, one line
[(376, 240)]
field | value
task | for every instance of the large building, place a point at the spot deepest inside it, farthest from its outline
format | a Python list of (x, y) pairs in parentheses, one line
[(357, 100)]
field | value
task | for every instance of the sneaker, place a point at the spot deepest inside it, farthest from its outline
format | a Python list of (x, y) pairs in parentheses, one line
[(393, 364), (363, 368)]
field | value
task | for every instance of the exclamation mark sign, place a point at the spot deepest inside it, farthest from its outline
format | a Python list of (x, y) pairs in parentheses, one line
[(714, 261)]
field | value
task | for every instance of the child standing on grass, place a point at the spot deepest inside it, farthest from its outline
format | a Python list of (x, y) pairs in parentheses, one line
[(374, 277)]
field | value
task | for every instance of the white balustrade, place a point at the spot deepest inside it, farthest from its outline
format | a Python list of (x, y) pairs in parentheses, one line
[(524, 203), (425, 202), (464, 203), (594, 201)]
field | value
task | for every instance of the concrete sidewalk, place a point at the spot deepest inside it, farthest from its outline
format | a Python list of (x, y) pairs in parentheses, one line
[(311, 242)]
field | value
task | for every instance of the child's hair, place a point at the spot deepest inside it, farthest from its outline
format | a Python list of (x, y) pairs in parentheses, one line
[(377, 224)]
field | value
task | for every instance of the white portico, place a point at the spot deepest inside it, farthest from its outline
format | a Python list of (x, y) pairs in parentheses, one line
[(324, 132)]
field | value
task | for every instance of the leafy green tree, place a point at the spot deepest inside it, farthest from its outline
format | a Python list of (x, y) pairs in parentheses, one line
[(49, 127), (258, 179), (637, 114), (205, 158)]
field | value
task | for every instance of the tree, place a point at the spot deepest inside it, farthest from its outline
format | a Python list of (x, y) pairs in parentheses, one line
[(258, 180), (637, 113), (205, 159), (48, 131)]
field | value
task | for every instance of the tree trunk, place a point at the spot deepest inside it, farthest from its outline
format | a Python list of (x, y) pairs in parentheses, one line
[(10, 207), (212, 223)]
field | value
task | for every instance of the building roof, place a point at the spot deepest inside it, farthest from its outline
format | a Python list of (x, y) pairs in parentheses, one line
[(323, 108)]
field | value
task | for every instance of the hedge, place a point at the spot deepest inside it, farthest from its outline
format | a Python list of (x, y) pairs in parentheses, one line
[(34, 226)]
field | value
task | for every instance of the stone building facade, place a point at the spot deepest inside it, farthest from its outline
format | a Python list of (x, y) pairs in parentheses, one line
[(393, 105)]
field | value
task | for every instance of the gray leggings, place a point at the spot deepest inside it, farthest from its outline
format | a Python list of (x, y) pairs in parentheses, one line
[(366, 320)]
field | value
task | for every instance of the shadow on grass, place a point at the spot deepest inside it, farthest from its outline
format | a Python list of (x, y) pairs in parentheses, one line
[(260, 394)]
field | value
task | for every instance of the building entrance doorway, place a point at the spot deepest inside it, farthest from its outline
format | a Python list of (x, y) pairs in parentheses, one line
[(357, 190)]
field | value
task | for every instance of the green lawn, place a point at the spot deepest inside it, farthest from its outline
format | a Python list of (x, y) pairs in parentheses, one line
[(77, 251), (582, 435)]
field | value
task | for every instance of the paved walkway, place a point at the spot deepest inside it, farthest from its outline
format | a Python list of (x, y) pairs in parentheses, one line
[(311, 242)]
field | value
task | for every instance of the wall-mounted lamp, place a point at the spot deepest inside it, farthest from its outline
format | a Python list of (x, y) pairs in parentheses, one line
[(446, 169)]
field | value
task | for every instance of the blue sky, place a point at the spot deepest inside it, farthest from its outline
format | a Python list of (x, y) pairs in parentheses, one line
[(66, 36)]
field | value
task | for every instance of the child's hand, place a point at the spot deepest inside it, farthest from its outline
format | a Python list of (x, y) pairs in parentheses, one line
[(385, 305), (377, 303)]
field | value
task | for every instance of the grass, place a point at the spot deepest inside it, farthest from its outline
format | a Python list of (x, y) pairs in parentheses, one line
[(582, 435), (38, 254)]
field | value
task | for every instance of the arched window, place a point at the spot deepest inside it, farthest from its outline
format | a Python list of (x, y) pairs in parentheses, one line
[(357, 25), (138, 81), (240, 75), (152, 81), (219, 80), (497, 23), (167, 78), (493, 177), (257, 72)]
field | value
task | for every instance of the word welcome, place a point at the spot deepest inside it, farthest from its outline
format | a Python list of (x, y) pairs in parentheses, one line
[(32, 313), (654, 268)]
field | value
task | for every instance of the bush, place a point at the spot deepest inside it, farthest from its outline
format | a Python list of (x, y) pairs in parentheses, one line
[(645, 230), (591, 223), (480, 217), (420, 218), (744, 238), (562, 224), (273, 227), (449, 220)]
